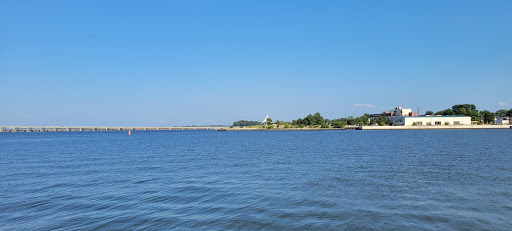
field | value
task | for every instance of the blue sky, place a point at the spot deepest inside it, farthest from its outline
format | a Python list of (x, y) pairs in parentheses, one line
[(214, 62)]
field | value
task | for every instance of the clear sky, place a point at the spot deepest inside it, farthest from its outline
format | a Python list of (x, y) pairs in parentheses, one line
[(214, 62)]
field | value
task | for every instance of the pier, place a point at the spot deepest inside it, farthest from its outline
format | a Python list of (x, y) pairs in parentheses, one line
[(94, 128)]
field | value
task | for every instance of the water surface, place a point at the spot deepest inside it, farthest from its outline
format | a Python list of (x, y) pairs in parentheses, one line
[(273, 180)]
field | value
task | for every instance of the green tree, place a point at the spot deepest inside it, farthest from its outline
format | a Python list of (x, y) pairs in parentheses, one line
[(466, 110), (309, 120), (299, 121), (351, 121), (383, 120), (502, 113), (318, 119), (246, 123), (269, 120), (446, 112), (487, 116), (475, 117), (429, 113), (338, 124)]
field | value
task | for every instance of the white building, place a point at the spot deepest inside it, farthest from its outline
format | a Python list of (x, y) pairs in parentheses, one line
[(431, 120), (503, 120), (399, 111)]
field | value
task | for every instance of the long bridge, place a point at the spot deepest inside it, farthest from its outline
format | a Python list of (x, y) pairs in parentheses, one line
[(94, 128), (104, 128)]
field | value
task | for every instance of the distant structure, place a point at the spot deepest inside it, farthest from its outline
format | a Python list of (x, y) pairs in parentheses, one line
[(431, 120), (398, 111), (502, 120), (407, 117), (265, 120)]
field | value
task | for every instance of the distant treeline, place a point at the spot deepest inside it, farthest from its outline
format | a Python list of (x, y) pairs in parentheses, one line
[(311, 120), (470, 110), (241, 123), (317, 120), (504, 113)]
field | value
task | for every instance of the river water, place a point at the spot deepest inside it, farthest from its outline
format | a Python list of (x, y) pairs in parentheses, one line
[(251, 180)]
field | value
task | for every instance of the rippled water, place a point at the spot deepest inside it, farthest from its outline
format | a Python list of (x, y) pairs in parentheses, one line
[(277, 180)]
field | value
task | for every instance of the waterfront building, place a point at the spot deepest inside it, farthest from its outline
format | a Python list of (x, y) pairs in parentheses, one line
[(503, 120), (398, 111), (431, 120)]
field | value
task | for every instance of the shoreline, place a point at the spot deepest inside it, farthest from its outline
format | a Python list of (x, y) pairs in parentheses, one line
[(439, 127), (227, 128)]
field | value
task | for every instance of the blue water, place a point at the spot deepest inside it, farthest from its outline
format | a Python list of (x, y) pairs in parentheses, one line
[(273, 180)]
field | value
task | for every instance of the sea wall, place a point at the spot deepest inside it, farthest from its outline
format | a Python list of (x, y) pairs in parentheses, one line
[(434, 127)]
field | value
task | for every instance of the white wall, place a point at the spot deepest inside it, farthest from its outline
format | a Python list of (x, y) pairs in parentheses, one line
[(503, 120), (424, 120), (401, 111)]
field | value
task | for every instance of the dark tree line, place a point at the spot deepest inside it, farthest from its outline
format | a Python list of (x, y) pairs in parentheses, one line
[(311, 120), (318, 120), (470, 110), (463, 110), (241, 123), (364, 120), (504, 113)]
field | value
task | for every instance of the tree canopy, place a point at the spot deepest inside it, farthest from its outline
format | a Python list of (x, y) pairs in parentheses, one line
[(463, 110), (246, 123), (310, 120), (487, 116), (503, 113)]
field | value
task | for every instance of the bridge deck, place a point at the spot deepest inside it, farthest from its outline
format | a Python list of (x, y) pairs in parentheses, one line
[(92, 128)]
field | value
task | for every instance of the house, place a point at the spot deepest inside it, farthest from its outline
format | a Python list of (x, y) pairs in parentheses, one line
[(502, 120)]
